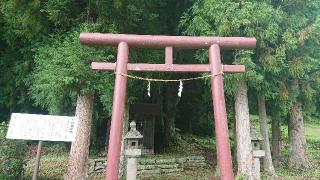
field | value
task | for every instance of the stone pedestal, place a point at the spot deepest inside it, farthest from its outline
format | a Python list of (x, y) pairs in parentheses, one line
[(132, 163), (257, 154)]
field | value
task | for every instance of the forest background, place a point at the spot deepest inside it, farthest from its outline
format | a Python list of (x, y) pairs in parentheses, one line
[(45, 70)]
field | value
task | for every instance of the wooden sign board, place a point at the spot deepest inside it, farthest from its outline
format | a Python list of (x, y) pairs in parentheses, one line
[(42, 127)]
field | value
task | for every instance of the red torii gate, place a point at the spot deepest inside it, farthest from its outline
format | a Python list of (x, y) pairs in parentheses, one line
[(121, 67)]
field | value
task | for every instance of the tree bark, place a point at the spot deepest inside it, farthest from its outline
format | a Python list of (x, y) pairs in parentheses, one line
[(243, 138), (297, 154), (77, 164), (234, 148), (107, 136), (276, 139), (268, 165), (123, 160), (169, 109)]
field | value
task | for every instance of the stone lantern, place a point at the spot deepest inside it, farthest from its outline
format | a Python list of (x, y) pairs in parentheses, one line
[(132, 152), (256, 139)]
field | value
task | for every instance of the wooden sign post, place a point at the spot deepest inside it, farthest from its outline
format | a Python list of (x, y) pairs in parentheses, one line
[(41, 128)]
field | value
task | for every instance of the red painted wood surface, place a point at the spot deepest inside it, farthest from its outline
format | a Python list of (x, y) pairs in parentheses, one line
[(117, 118), (214, 44), (169, 55), (190, 42), (168, 68), (220, 115)]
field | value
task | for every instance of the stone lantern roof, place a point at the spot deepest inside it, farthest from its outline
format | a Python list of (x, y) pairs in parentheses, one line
[(255, 136), (133, 133)]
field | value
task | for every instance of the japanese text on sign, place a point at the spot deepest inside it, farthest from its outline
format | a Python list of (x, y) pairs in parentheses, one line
[(42, 127)]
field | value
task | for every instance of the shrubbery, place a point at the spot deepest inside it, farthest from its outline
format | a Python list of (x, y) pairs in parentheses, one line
[(12, 154)]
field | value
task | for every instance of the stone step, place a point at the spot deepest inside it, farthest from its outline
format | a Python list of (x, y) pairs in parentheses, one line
[(196, 161), (144, 161), (195, 164), (153, 165), (196, 158), (181, 160), (171, 170), (165, 161), (168, 166), (146, 167), (153, 171)]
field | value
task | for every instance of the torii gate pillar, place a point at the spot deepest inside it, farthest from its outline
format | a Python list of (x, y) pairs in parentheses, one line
[(220, 115), (118, 107), (168, 42)]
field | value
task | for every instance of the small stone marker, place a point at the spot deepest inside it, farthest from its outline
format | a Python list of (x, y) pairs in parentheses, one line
[(132, 151), (256, 138)]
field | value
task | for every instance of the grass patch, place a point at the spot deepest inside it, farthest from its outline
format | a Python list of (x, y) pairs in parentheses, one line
[(52, 166), (199, 174), (187, 145), (312, 132)]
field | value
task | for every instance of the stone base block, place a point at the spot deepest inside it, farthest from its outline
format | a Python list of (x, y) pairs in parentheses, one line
[(146, 167), (172, 170), (153, 171), (165, 161), (143, 161), (168, 166)]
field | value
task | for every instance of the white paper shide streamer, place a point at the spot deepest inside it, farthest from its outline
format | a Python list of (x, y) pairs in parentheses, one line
[(180, 88), (149, 88)]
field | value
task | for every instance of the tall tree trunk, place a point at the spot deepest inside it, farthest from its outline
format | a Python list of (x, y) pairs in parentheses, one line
[(123, 160), (276, 139), (77, 164), (234, 129), (107, 136), (93, 134), (243, 138), (297, 155), (268, 166), (169, 109)]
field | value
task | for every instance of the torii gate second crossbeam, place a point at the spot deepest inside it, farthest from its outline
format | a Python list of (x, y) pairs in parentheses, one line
[(121, 67)]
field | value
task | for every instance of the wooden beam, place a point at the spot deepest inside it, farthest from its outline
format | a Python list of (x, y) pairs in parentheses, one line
[(197, 68), (169, 55), (105, 39)]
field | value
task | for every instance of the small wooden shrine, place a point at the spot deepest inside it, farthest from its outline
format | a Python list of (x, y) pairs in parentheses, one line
[(144, 114)]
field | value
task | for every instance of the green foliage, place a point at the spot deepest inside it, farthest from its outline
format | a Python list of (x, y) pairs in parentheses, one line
[(240, 18), (23, 18), (287, 36), (64, 13), (44, 65), (265, 64), (301, 39), (62, 70), (12, 156), (241, 176), (30, 20)]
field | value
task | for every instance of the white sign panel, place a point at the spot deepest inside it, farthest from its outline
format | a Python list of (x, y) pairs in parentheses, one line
[(42, 127)]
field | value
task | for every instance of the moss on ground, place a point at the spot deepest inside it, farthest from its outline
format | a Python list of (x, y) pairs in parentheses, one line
[(53, 165), (312, 132)]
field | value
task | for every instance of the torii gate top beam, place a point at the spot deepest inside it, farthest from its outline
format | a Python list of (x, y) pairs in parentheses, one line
[(184, 42)]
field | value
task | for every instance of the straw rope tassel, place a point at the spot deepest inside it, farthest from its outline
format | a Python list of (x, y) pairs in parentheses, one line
[(180, 88), (149, 88)]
